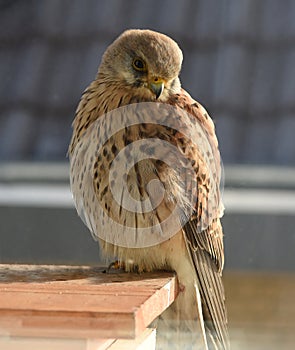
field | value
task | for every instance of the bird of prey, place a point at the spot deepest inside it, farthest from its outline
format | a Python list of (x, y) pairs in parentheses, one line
[(145, 176)]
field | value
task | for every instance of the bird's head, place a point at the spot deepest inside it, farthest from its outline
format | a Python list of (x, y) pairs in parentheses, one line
[(145, 61)]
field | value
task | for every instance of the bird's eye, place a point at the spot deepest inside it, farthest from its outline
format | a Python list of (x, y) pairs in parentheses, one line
[(139, 64)]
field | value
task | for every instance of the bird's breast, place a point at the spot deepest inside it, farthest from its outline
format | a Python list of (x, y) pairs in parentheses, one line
[(134, 174)]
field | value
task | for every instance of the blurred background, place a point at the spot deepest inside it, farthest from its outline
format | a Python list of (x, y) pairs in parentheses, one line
[(239, 62)]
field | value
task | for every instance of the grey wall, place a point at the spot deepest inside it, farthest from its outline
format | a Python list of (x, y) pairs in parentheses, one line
[(239, 62), (58, 236)]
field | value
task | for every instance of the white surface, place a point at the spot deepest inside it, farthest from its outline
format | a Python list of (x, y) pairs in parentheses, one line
[(238, 174), (36, 195), (235, 200)]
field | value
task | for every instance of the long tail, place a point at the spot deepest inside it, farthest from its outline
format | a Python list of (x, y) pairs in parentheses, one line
[(181, 326)]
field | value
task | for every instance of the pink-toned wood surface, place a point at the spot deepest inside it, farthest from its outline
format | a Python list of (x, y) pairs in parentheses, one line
[(80, 302), (145, 341)]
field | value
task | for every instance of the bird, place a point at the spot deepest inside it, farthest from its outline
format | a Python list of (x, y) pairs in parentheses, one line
[(145, 174)]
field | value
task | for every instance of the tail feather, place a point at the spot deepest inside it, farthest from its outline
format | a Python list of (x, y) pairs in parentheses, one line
[(181, 327)]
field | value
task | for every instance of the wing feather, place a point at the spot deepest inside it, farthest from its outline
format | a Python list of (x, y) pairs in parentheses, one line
[(205, 252), (205, 244)]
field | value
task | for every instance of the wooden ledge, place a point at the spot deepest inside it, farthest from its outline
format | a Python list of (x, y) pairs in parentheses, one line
[(81, 302)]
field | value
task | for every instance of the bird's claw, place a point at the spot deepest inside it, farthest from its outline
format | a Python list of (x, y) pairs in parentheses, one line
[(116, 265)]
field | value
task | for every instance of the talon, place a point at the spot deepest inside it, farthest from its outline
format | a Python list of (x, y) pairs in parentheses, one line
[(116, 265)]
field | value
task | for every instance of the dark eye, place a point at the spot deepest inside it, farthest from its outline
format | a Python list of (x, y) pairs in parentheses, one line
[(139, 64)]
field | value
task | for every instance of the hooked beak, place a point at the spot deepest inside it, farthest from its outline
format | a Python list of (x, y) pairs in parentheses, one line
[(157, 87)]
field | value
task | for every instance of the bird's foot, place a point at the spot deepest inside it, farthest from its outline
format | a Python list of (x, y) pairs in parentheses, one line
[(116, 265)]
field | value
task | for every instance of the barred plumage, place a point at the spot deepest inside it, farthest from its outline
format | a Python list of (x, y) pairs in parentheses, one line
[(143, 152)]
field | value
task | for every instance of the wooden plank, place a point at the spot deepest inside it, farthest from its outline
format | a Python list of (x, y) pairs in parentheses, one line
[(16, 343), (146, 341), (75, 302), (37, 343), (261, 308)]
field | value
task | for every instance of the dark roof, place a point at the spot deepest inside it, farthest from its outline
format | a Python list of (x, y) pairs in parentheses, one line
[(239, 62)]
